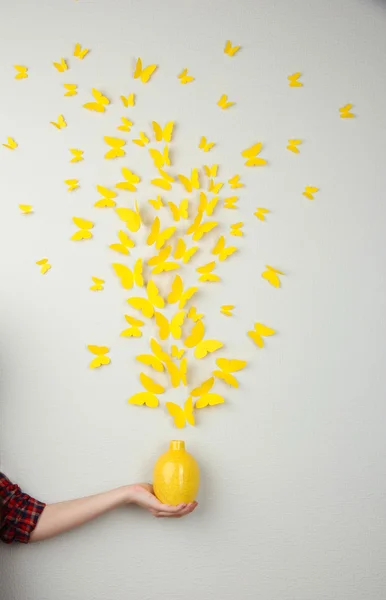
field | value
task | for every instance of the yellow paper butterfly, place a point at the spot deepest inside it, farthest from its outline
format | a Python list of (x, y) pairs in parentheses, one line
[(177, 373), (181, 211), (272, 276), (44, 265), (132, 218), (198, 229), (61, 124), (231, 202), (150, 385), (21, 72), (83, 232), (72, 184), (77, 155), (211, 171), (125, 275), (260, 213), (144, 398), (176, 352), (164, 182), (251, 154), (220, 249), (143, 74), (160, 159), (174, 327), (259, 332), (294, 80), (61, 66), (204, 145), (116, 147), (165, 133), (192, 182), (160, 262), (142, 140), (79, 52), (157, 350), (97, 284), (130, 182), (227, 367), (71, 89), (194, 315), (126, 125), (100, 102), (214, 187), (229, 49), (177, 293), (206, 347), (156, 203), (196, 335), (235, 182), (181, 252), (180, 415), (146, 305), (209, 400), (184, 77), (293, 146), (203, 388), (151, 361), (134, 329), (11, 144), (26, 209), (128, 100), (236, 229), (205, 206), (309, 192), (124, 244), (206, 272), (158, 237), (345, 112), (227, 309), (107, 197), (100, 356), (223, 102)]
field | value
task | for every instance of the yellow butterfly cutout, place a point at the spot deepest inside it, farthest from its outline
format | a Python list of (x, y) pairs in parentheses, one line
[(203, 388), (160, 159), (44, 265), (165, 133), (107, 200), (177, 373), (125, 242), (100, 359), (345, 112), (260, 213), (181, 211), (196, 335), (79, 52), (293, 146), (235, 182), (309, 192), (128, 277), (259, 332), (158, 237), (251, 154), (83, 232), (97, 285), (144, 398), (272, 276), (209, 400), (204, 145), (229, 49), (61, 66), (164, 182), (134, 329), (192, 182), (61, 124), (227, 309), (227, 367), (71, 89), (147, 305), (206, 272), (198, 229), (223, 102), (26, 209), (205, 206), (194, 315), (220, 249), (160, 262), (11, 144), (236, 229), (151, 361), (156, 203), (154, 295), (174, 327), (100, 102), (77, 155), (157, 350), (116, 147), (21, 72), (176, 352), (128, 100), (181, 252), (132, 218), (206, 347), (126, 125), (143, 74), (184, 77), (231, 202), (130, 182), (214, 187), (294, 80), (177, 293), (150, 385), (180, 415), (211, 171), (72, 184), (142, 140)]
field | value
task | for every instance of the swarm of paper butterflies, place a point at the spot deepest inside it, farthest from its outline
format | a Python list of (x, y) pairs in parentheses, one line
[(172, 246)]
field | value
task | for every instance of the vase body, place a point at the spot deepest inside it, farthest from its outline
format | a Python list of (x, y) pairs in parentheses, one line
[(176, 476)]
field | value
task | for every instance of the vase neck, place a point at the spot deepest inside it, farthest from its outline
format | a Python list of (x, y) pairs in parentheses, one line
[(177, 445)]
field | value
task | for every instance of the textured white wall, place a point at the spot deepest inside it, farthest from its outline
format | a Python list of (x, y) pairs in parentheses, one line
[(292, 504)]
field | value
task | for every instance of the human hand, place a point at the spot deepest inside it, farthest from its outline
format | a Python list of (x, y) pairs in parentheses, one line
[(142, 494)]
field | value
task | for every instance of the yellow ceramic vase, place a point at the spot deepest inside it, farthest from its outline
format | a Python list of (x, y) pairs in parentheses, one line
[(176, 475)]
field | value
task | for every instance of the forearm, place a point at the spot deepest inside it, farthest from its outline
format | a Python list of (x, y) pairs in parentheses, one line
[(64, 516)]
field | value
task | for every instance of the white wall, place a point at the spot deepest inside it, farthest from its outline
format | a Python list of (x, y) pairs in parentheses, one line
[(292, 504)]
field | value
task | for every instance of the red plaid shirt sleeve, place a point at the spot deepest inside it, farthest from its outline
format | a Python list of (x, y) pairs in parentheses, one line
[(19, 513)]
